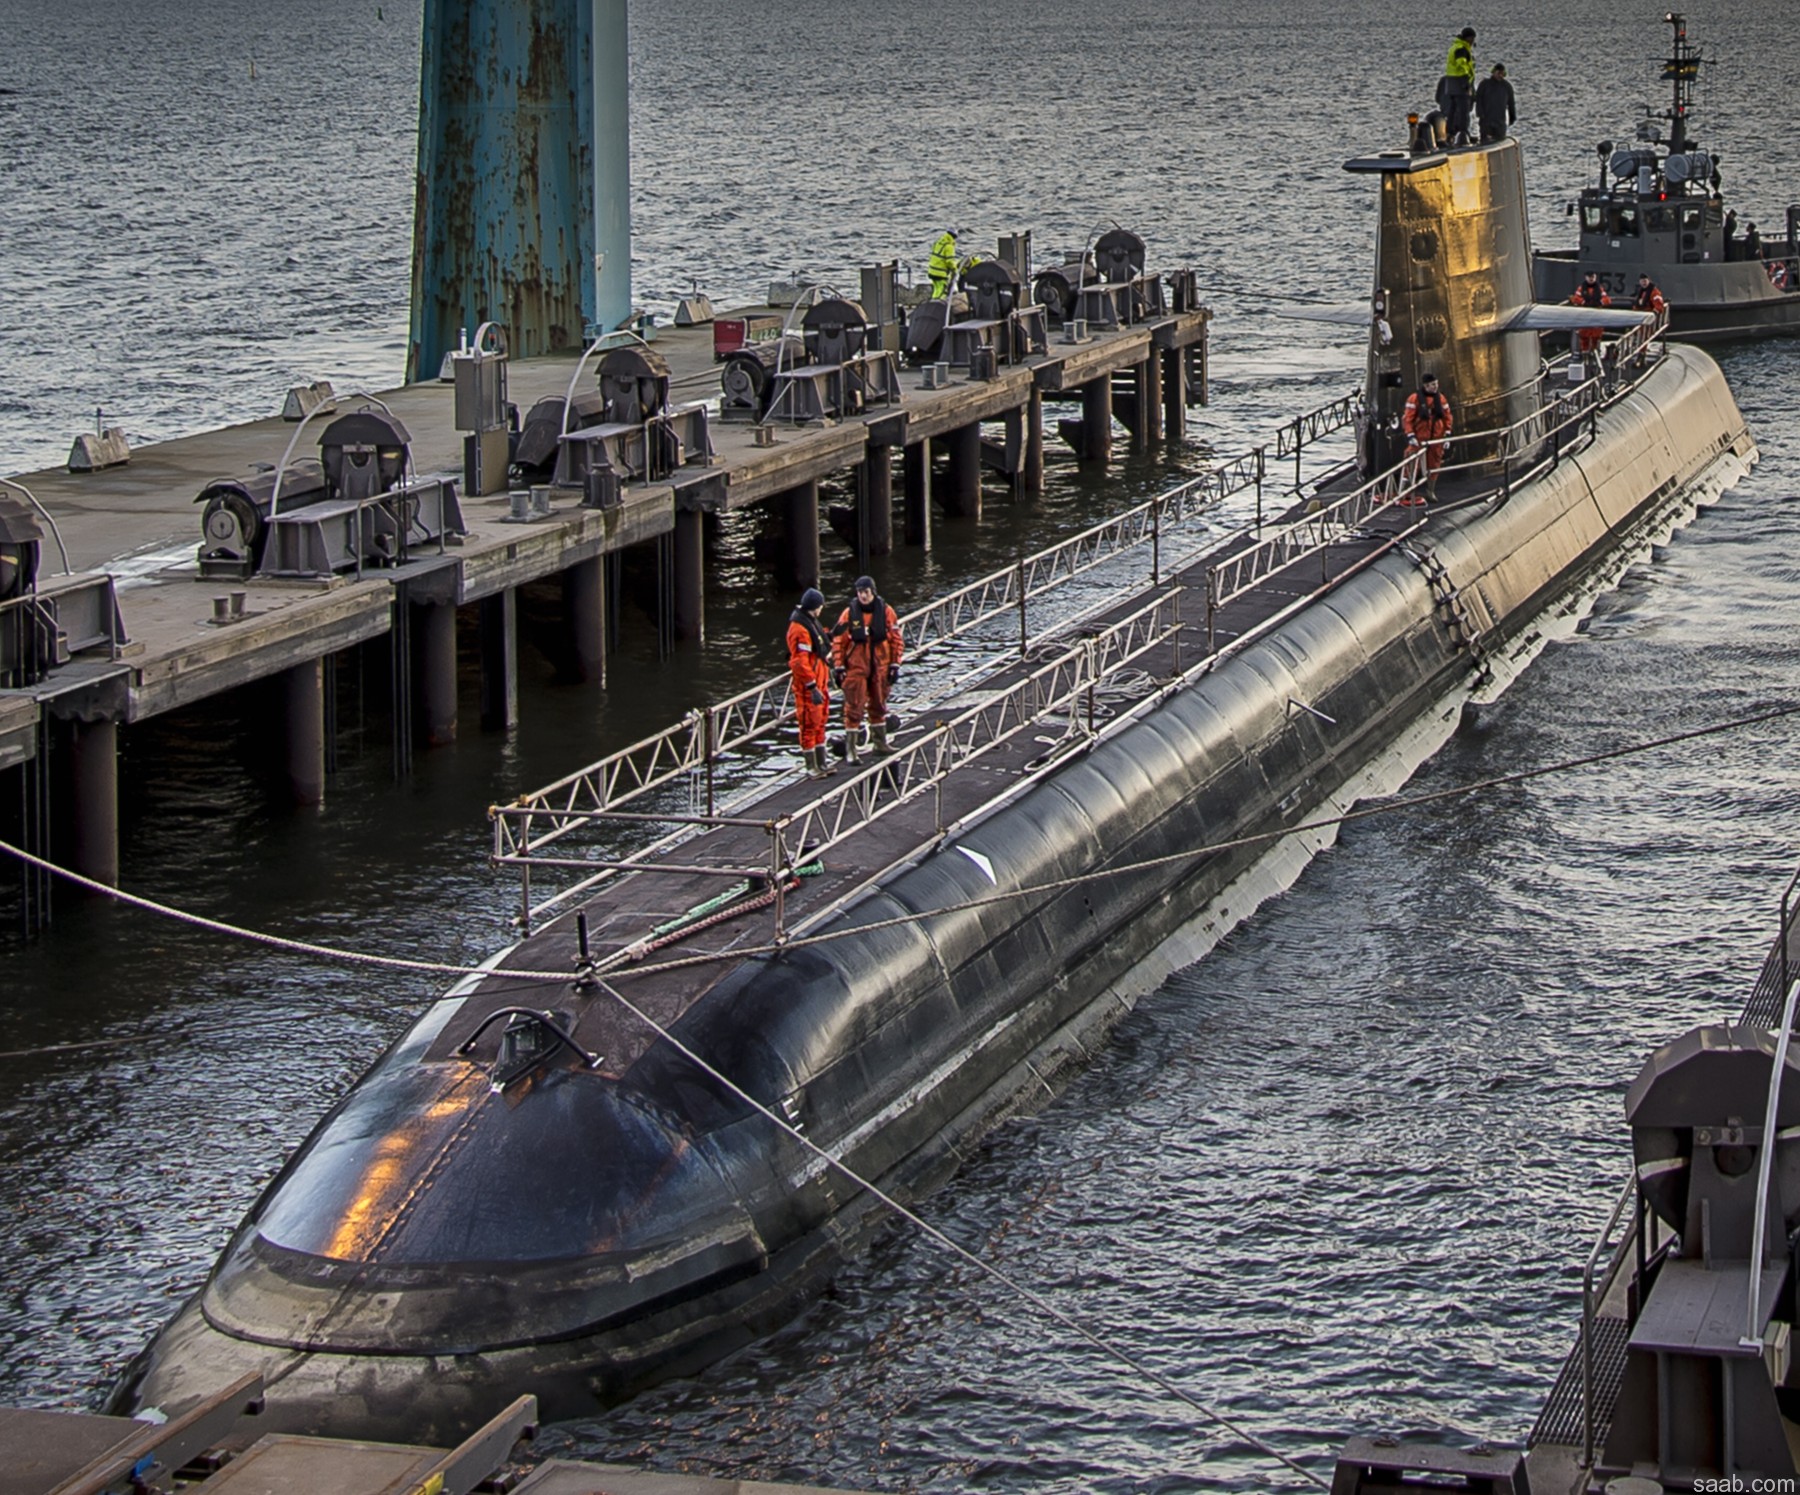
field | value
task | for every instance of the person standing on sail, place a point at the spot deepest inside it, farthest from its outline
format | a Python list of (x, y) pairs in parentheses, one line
[(1456, 90)]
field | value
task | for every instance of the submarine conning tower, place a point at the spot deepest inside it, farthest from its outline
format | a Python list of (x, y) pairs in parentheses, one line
[(1452, 290)]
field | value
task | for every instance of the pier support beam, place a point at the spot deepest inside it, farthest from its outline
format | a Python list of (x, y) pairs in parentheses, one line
[(690, 573), (437, 672), (875, 490), (1150, 407), (799, 511), (584, 600), (303, 727), (917, 477), (1174, 389), (500, 661), (1034, 443), (94, 795), (1096, 420), (962, 487)]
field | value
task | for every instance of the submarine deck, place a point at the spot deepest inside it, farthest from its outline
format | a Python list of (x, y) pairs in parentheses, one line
[(956, 757)]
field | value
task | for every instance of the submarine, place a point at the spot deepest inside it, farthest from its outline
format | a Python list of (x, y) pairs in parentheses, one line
[(545, 1185)]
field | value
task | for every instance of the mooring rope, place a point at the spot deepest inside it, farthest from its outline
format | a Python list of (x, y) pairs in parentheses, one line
[(1030, 1295)]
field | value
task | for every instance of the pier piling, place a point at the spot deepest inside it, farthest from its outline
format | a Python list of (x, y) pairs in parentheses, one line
[(962, 477), (500, 661), (1096, 420), (94, 800), (303, 726), (584, 603), (690, 574), (917, 477)]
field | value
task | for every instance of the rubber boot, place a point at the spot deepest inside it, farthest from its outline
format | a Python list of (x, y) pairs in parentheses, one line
[(878, 739), (810, 756), (823, 767), (852, 740)]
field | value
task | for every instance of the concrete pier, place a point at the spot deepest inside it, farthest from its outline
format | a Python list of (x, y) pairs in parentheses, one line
[(136, 529)]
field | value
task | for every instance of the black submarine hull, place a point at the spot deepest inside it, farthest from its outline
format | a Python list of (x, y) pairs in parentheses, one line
[(609, 1232)]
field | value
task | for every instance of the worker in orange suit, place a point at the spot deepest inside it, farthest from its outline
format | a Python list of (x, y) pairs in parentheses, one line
[(809, 663), (1589, 293), (1648, 297), (865, 648), (1426, 421)]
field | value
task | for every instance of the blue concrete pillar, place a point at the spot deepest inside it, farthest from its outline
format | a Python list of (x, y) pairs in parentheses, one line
[(503, 227), (610, 301)]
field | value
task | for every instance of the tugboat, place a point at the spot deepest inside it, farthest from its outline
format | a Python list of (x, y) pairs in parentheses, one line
[(1657, 209)]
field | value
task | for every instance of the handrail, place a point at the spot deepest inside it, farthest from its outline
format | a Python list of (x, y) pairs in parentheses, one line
[(835, 813), (1232, 577), (1765, 1163), (1589, 1304), (705, 735)]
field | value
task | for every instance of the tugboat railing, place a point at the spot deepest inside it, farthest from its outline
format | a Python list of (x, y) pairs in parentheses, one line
[(702, 738)]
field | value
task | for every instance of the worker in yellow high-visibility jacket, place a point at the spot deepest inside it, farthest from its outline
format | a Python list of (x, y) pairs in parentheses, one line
[(942, 264)]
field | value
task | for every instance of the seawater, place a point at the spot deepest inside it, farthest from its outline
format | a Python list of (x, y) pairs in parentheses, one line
[(1340, 1175)]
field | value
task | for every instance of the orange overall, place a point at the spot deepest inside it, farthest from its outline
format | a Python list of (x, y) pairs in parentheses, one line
[(866, 646), (809, 665), (1589, 293), (1427, 420)]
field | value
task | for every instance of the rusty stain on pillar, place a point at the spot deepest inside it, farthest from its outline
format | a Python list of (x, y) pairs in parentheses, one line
[(504, 216)]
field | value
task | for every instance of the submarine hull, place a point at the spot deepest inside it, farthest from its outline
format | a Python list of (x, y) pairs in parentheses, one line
[(896, 1048)]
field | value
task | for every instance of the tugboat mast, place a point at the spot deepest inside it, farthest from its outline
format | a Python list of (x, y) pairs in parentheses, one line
[(1682, 69)]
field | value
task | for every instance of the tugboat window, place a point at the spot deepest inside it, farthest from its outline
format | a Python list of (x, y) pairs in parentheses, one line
[(1590, 218), (1660, 220), (1625, 222)]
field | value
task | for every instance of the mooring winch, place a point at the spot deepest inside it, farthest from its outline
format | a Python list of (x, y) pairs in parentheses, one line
[(351, 508), (640, 434)]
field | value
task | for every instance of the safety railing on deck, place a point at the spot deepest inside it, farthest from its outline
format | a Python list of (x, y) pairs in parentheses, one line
[(1063, 684), (1236, 574), (694, 746)]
